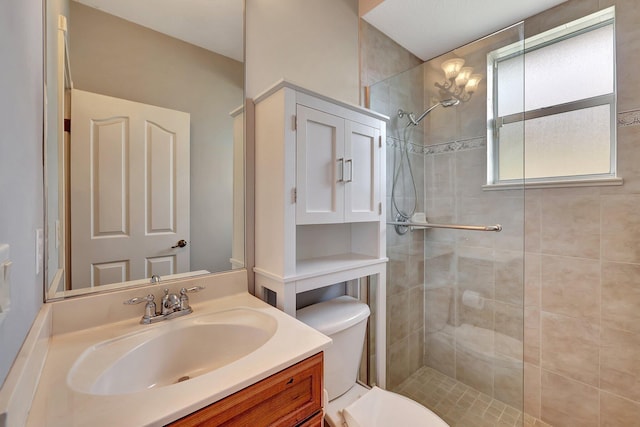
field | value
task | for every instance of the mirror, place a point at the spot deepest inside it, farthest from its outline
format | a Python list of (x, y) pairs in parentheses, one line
[(143, 142)]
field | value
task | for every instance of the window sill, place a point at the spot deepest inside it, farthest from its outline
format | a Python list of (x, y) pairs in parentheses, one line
[(596, 182)]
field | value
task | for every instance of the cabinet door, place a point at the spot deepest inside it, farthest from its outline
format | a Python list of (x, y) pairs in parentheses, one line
[(292, 397), (362, 173), (319, 167)]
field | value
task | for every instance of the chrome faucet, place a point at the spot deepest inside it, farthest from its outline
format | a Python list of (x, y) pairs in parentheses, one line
[(170, 303), (171, 306)]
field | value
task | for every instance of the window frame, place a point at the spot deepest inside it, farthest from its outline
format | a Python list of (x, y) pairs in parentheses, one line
[(575, 28)]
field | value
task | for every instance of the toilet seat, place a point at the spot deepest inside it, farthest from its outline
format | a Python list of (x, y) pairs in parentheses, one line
[(381, 408)]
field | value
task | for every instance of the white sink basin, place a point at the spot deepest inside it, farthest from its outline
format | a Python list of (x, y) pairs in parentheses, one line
[(170, 352)]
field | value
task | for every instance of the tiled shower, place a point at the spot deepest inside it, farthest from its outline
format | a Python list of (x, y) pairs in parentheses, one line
[(455, 298), (540, 317)]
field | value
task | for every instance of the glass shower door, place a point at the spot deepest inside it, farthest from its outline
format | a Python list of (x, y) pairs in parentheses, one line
[(455, 297)]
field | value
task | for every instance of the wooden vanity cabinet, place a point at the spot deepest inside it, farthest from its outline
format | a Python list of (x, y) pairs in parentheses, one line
[(289, 398)]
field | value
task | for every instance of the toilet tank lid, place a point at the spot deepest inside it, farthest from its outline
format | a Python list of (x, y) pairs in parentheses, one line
[(335, 315)]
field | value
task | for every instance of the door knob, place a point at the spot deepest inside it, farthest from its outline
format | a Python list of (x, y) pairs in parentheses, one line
[(181, 244)]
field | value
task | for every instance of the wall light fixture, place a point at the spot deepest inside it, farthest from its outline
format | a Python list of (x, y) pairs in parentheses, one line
[(460, 83)]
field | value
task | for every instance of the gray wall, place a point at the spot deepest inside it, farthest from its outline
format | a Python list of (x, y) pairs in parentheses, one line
[(21, 192), (115, 57)]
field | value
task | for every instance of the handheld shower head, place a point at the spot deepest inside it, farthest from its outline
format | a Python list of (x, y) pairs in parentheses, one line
[(451, 102)]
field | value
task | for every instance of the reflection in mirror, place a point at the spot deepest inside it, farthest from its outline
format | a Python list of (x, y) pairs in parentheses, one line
[(144, 142)]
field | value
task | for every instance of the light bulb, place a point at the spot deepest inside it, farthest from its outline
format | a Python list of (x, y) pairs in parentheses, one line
[(452, 67), (463, 76), (472, 83)]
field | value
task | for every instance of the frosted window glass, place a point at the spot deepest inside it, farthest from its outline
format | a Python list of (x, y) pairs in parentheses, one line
[(576, 68), (567, 144), (511, 152), (511, 86)]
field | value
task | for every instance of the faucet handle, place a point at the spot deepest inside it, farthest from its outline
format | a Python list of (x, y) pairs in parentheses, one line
[(184, 299), (138, 300), (193, 289), (149, 309)]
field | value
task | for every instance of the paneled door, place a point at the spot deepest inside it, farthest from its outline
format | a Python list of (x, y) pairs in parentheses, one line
[(129, 190)]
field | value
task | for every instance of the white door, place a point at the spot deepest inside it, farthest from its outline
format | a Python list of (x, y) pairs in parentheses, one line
[(362, 173), (129, 190), (319, 167)]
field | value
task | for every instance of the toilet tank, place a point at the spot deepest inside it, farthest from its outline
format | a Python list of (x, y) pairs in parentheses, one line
[(344, 320)]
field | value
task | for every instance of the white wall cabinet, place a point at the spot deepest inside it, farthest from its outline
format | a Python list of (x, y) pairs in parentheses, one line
[(337, 174), (319, 214)]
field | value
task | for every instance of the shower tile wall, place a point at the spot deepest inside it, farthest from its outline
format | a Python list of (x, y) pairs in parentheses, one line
[(581, 263), (382, 58), (473, 280), (405, 284), (582, 266), (581, 260)]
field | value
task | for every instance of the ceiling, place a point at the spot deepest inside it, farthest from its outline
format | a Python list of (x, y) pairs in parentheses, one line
[(215, 25), (429, 28)]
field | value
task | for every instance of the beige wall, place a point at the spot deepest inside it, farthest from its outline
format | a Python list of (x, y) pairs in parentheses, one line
[(115, 57), (313, 43)]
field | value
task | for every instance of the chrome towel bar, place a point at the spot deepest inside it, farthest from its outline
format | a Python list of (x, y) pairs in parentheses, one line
[(496, 228)]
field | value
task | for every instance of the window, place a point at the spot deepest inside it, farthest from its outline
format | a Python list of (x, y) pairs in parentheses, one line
[(552, 109)]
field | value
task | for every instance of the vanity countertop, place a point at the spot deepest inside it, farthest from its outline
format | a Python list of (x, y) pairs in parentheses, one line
[(57, 404)]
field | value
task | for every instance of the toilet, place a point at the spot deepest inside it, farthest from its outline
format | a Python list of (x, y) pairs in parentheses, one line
[(344, 319)]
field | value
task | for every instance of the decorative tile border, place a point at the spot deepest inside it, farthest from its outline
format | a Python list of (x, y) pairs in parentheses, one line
[(629, 118), (446, 147)]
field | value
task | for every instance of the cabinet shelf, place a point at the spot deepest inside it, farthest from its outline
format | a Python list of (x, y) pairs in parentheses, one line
[(324, 266), (330, 264)]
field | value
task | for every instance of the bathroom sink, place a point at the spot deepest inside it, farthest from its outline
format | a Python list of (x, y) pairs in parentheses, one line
[(169, 353)]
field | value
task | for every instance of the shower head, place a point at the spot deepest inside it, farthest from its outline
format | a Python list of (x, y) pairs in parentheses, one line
[(451, 102)]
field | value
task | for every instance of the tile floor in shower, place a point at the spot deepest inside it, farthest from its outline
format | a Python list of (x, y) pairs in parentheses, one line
[(460, 405)]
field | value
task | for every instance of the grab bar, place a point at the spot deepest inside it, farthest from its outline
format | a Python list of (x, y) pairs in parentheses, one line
[(496, 228)]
